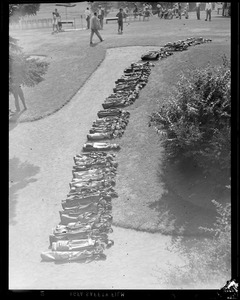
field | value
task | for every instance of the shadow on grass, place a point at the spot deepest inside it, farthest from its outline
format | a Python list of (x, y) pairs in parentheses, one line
[(14, 119), (20, 175), (94, 44), (186, 200)]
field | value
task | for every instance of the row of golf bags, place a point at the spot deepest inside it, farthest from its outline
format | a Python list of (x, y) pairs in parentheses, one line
[(171, 47), (86, 215)]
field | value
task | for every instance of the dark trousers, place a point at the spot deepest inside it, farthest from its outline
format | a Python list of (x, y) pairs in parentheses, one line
[(97, 33), (120, 26), (208, 14), (88, 22), (198, 13)]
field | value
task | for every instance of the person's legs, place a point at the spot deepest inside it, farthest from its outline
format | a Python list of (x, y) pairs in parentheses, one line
[(209, 14), (91, 35), (121, 27), (98, 34), (20, 93), (198, 13), (206, 15), (15, 94)]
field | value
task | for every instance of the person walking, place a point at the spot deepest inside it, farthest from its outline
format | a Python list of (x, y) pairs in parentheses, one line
[(198, 10), (95, 26), (119, 15), (101, 16), (87, 17), (208, 9)]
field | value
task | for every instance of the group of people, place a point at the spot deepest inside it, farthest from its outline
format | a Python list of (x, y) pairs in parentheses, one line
[(177, 11), (95, 21), (57, 24)]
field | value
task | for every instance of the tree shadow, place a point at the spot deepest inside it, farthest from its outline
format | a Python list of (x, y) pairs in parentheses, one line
[(186, 201), (20, 175)]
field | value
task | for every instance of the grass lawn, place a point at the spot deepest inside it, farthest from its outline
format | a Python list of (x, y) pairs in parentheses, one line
[(72, 60)]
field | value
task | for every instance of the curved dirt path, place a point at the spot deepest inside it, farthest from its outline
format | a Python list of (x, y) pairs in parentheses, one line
[(41, 162)]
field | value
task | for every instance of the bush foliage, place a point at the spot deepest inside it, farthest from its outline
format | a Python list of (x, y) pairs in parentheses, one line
[(22, 70), (16, 11), (195, 120)]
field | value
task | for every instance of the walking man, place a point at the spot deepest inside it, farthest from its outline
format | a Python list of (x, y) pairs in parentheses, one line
[(198, 10), (95, 26), (87, 16), (208, 9)]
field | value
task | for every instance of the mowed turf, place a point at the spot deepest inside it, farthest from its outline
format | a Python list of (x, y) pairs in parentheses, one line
[(72, 60)]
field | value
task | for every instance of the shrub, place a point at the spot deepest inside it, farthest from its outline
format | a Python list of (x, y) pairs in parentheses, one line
[(194, 122), (22, 70)]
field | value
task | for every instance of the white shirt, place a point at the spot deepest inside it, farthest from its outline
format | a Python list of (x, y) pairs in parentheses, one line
[(87, 13), (208, 6), (197, 4)]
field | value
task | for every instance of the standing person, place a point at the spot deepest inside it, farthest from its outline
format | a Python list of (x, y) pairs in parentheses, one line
[(163, 12), (120, 20), (179, 10), (198, 10), (146, 14), (87, 17), (101, 16), (95, 25), (57, 16), (186, 10), (54, 23), (135, 10), (17, 92), (176, 10), (59, 23), (159, 7), (208, 9), (150, 9), (224, 7)]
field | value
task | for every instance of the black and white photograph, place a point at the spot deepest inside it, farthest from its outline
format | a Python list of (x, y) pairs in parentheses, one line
[(120, 147)]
